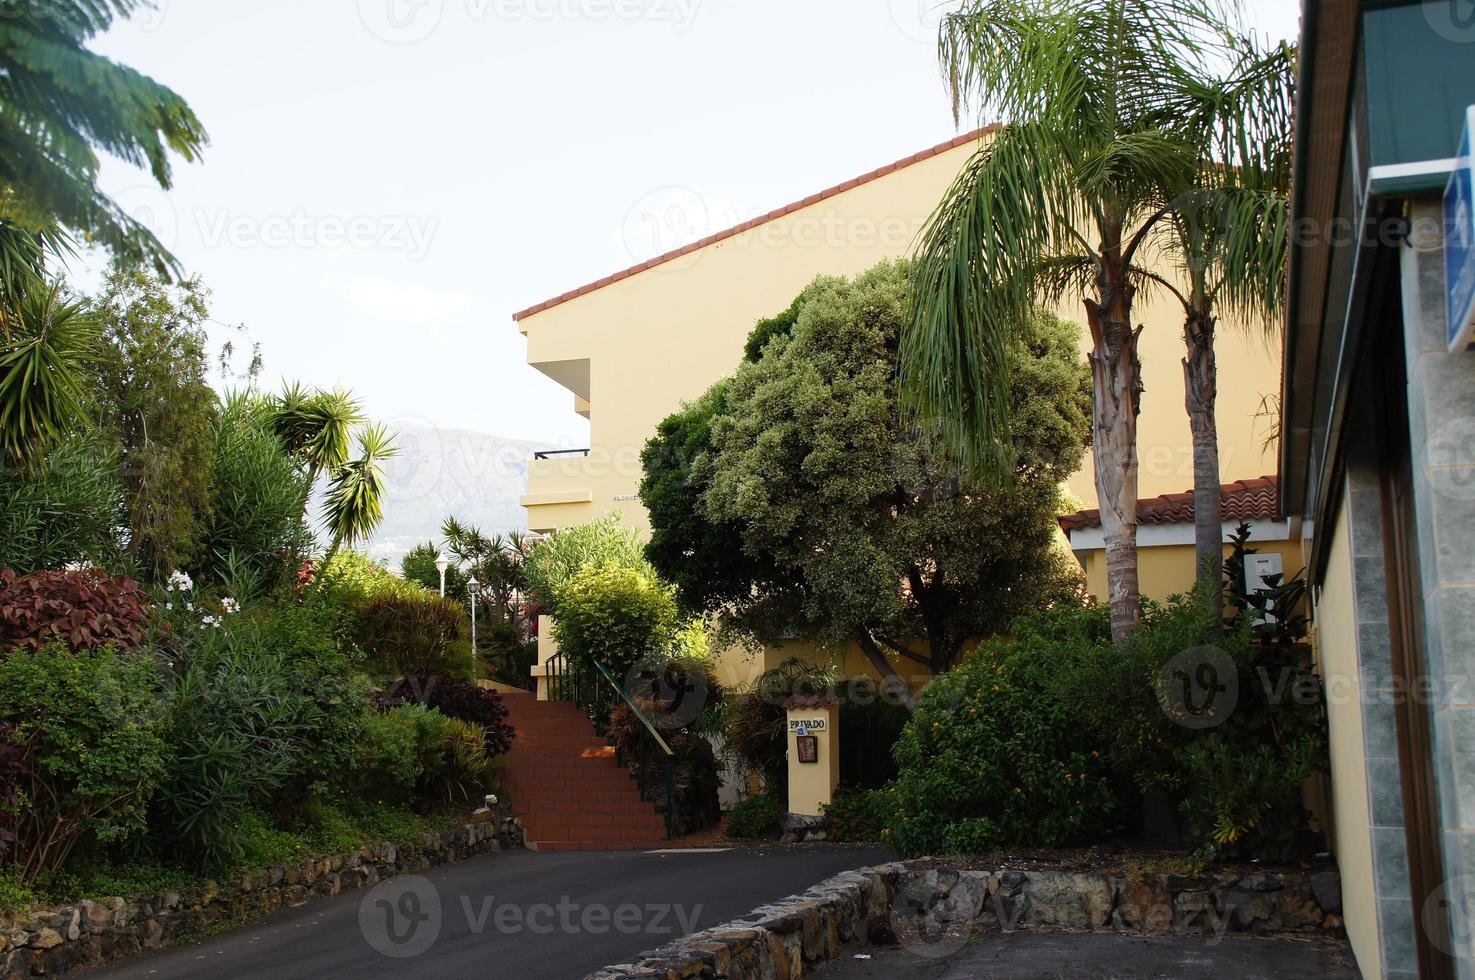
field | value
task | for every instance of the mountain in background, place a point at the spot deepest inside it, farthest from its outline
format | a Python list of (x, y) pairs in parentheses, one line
[(475, 476)]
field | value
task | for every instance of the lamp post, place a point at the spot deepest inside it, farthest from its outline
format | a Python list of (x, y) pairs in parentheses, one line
[(441, 564), (471, 588)]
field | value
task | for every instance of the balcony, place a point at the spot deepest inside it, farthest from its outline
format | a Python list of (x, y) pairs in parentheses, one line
[(573, 486)]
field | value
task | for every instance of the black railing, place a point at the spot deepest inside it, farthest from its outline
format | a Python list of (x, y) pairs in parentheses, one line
[(550, 453), (595, 691)]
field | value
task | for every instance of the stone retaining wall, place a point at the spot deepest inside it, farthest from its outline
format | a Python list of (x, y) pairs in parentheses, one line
[(933, 910), (53, 941)]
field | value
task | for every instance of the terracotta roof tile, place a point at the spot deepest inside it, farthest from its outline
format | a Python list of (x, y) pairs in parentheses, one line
[(811, 701), (809, 201), (1244, 500)]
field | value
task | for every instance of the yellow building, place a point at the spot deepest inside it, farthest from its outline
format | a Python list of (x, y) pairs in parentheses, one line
[(635, 345)]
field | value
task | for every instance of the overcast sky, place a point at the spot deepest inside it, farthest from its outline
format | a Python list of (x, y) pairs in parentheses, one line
[(389, 180)]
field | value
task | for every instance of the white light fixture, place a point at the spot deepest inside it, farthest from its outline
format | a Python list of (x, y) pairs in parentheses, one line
[(441, 564), (471, 588)]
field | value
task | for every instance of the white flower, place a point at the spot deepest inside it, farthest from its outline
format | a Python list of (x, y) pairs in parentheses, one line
[(209, 621), (229, 606), (189, 607), (181, 581), (169, 605)]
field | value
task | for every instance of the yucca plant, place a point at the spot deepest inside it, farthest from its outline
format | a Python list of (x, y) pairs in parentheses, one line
[(354, 505), (316, 426), (43, 348)]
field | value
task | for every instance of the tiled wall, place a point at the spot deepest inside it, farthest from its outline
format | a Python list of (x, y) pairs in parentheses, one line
[(1441, 389)]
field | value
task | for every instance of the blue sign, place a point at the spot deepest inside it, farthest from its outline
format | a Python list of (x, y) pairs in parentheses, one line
[(1459, 244)]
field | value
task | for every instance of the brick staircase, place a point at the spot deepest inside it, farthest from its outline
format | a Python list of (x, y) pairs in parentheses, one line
[(566, 786)]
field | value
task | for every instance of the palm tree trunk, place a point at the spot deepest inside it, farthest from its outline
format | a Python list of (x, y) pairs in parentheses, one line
[(1116, 372), (1201, 388)]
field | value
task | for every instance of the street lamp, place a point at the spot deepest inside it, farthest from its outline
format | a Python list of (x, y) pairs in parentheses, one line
[(441, 564), (471, 588)]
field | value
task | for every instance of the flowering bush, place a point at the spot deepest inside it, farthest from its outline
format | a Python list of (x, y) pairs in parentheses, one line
[(856, 816), (84, 609), (754, 818)]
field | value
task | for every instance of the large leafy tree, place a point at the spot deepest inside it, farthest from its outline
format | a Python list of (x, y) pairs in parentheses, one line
[(875, 538), (60, 103), (1058, 203), (157, 409)]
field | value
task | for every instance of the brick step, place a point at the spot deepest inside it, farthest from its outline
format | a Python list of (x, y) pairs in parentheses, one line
[(566, 784)]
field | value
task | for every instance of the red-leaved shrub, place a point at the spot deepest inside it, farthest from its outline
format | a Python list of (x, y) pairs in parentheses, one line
[(83, 609)]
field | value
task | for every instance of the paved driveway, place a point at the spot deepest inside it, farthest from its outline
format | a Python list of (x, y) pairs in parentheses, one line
[(1032, 955), (513, 914)]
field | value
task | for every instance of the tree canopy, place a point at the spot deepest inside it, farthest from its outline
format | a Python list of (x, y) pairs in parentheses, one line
[(851, 527)]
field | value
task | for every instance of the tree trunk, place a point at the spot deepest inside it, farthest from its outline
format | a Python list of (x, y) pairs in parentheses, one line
[(888, 673), (1116, 373), (1201, 389)]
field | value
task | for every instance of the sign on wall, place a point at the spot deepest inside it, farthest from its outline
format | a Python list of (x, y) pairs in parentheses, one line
[(1459, 244), (805, 726)]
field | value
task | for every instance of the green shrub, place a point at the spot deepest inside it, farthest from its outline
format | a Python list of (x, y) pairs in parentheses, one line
[(385, 768), (256, 528), (415, 631), (615, 615), (68, 510), (415, 753), (990, 760), (857, 816), (559, 557), (1238, 781), (235, 731), (88, 726), (456, 698), (754, 818)]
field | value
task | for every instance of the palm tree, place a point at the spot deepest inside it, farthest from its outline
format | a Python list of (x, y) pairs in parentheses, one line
[(1057, 203), (354, 505), (60, 103), (1229, 231)]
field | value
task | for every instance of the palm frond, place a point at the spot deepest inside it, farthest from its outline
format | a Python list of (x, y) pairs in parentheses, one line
[(354, 504)]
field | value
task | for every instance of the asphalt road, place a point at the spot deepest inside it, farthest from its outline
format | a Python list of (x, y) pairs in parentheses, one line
[(514, 914)]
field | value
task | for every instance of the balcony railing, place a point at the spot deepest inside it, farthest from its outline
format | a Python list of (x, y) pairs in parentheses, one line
[(552, 453)]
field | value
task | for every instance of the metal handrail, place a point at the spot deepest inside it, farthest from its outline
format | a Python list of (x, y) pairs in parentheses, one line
[(550, 453), (634, 707), (566, 682)]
